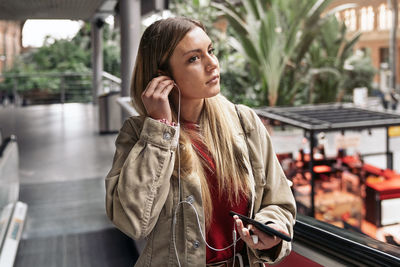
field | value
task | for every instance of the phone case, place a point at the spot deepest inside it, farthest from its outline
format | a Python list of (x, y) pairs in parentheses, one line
[(262, 227)]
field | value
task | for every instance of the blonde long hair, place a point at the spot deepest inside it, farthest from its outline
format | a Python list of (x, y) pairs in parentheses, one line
[(156, 47)]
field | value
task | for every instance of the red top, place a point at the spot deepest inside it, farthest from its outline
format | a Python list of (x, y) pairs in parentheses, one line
[(220, 233)]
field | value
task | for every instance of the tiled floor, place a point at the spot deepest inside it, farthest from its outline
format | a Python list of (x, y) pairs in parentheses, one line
[(58, 142), (63, 162)]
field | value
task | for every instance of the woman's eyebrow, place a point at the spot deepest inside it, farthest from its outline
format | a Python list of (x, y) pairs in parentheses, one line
[(196, 50)]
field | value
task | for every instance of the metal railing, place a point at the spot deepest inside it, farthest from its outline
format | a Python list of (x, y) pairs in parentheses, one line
[(48, 88), (111, 83)]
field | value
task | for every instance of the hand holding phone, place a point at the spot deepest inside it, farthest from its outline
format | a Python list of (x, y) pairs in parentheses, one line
[(155, 97), (262, 227)]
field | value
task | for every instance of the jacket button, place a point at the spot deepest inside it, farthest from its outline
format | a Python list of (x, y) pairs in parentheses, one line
[(196, 244), (190, 199), (167, 136)]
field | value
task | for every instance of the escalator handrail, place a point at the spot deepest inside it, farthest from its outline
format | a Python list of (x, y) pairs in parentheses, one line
[(342, 243), (4, 144)]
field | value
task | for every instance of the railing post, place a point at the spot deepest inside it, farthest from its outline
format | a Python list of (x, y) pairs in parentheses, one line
[(389, 155), (312, 172), (62, 89), (15, 88)]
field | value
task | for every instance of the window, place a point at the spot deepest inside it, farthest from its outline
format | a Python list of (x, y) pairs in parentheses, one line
[(370, 18), (385, 17), (364, 19), (367, 18), (383, 55), (353, 20), (350, 19)]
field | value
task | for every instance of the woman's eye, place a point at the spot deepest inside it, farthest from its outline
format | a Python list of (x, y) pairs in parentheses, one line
[(211, 51), (193, 59)]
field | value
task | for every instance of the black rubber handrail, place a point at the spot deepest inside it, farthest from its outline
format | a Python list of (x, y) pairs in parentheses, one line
[(347, 246), (5, 142)]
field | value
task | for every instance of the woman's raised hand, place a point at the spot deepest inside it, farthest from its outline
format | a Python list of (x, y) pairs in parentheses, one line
[(155, 98)]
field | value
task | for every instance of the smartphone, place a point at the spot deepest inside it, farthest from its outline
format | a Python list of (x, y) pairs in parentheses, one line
[(262, 227)]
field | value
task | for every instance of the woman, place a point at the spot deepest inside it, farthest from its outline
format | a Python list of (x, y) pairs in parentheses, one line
[(175, 185)]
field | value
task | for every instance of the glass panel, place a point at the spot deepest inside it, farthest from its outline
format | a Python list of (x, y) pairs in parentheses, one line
[(9, 182)]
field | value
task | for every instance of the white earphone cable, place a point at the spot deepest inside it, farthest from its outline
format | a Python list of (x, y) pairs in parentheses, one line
[(174, 220)]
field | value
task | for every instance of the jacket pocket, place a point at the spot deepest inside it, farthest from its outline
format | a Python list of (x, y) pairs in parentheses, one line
[(168, 208)]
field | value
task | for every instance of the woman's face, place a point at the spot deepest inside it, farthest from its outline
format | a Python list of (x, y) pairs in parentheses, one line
[(194, 66)]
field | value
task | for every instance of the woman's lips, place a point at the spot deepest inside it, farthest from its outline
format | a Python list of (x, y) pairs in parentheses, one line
[(213, 80)]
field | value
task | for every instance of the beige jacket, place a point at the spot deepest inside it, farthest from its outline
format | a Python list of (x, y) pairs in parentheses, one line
[(141, 196)]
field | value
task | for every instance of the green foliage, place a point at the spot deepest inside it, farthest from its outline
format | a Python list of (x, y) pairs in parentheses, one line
[(321, 78), (360, 72), (111, 51), (332, 69), (236, 84), (63, 56), (270, 34), (296, 51)]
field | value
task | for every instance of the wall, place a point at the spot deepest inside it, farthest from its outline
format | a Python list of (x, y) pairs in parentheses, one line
[(10, 42)]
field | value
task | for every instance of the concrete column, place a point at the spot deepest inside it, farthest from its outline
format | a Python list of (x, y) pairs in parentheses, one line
[(5, 49), (393, 43), (97, 58), (130, 16)]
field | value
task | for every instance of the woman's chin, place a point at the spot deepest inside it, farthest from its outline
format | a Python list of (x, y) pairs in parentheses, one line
[(214, 92)]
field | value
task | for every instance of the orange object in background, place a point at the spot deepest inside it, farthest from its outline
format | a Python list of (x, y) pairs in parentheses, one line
[(390, 174), (382, 200), (352, 161), (394, 131), (387, 189), (322, 169), (372, 169)]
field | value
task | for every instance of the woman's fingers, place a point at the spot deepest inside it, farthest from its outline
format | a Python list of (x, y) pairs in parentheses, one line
[(167, 90), (243, 231), (155, 98), (157, 84), (257, 239), (266, 241)]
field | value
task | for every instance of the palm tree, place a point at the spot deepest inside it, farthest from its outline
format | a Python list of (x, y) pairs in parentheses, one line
[(327, 65), (274, 35)]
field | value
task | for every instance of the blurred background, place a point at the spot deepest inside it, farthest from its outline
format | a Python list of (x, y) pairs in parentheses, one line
[(321, 74)]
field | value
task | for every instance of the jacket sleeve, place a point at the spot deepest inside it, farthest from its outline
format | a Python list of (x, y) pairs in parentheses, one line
[(278, 204), (139, 180)]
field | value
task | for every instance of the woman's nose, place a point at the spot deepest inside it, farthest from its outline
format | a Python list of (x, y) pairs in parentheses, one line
[(212, 63)]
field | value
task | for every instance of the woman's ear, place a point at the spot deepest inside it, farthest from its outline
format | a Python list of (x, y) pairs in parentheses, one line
[(165, 73), (162, 72)]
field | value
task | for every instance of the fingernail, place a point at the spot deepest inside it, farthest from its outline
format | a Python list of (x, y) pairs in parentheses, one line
[(237, 223), (255, 239), (244, 232)]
